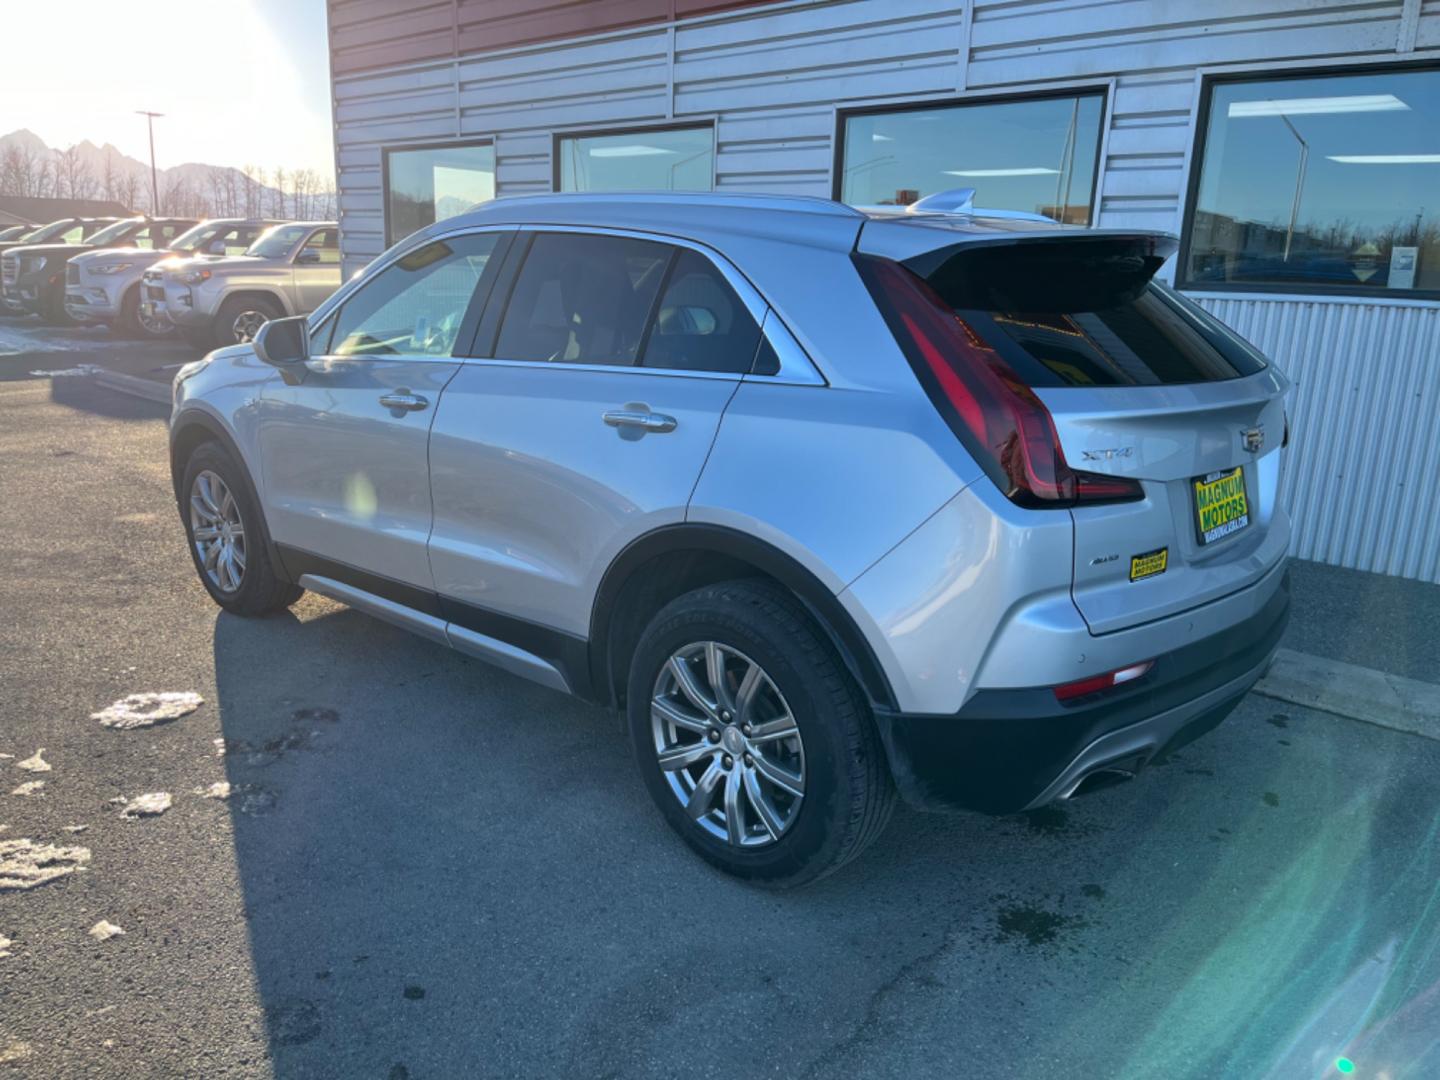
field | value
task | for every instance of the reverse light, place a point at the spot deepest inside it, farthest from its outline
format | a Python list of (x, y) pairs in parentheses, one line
[(1001, 421), (1096, 683)]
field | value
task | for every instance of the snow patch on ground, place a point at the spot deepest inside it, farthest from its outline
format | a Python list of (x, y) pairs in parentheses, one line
[(16, 1051), (66, 373), (5, 944), (34, 764), (30, 787), (25, 864), (145, 710), (151, 805), (249, 798), (104, 931)]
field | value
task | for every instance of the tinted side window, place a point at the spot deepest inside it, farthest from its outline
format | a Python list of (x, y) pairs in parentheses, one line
[(582, 299), (327, 243), (415, 305), (701, 324)]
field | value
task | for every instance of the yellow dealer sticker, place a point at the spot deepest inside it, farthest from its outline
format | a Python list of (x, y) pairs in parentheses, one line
[(1149, 564)]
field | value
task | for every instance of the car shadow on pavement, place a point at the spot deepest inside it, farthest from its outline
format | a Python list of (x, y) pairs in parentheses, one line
[(87, 395), (449, 871)]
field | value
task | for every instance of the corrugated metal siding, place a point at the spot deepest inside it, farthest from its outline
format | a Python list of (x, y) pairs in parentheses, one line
[(770, 77), (1363, 482)]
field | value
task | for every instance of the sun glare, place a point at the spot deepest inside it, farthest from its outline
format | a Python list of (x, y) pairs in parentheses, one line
[(230, 89)]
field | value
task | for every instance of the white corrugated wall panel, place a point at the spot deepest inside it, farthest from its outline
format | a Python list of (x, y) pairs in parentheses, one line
[(1364, 490), (1363, 475)]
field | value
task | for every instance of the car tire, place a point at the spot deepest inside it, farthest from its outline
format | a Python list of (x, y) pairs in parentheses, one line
[(128, 323), (215, 493), (52, 308), (241, 310), (835, 760)]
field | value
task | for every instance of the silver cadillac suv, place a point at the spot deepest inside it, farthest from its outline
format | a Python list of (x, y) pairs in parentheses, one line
[(829, 503)]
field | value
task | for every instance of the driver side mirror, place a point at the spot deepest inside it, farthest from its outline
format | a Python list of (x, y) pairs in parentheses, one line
[(217, 247), (308, 255), (283, 342)]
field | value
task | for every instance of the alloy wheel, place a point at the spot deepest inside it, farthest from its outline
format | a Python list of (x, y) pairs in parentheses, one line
[(247, 324), (218, 531), (154, 325), (727, 744)]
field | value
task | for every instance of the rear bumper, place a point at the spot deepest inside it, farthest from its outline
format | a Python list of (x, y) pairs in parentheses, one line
[(1011, 750)]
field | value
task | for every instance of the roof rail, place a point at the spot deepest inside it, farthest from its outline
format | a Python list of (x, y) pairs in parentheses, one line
[(810, 204)]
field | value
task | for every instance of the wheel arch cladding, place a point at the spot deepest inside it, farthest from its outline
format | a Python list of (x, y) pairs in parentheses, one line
[(192, 431), (251, 293), (675, 559)]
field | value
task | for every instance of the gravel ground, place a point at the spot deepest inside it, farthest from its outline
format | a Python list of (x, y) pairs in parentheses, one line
[(427, 868)]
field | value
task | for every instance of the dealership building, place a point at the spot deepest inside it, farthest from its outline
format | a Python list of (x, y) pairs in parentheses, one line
[(1294, 147)]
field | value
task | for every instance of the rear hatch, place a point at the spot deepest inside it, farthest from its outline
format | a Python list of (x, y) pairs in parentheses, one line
[(1170, 423)]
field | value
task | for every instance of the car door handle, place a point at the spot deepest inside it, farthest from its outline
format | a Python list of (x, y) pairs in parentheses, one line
[(633, 418), (403, 399)]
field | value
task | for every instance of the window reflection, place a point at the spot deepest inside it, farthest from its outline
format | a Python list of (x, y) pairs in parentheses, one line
[(1324, 181), (1036, 155), (675, 159), (430, 184)]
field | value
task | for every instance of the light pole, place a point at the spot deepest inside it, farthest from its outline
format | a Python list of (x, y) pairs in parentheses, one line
[(154, 182)]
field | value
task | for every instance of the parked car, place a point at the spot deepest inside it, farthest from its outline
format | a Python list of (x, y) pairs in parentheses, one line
[(105, 286), (828, 503), (64, 231), (288, 271), (37, 281), (15, 232)]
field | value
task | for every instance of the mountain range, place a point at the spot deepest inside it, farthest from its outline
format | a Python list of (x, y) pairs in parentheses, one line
[(191, 183)]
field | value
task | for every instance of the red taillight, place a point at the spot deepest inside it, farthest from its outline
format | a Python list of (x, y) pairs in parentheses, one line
[(999, 418), (1097, 683)]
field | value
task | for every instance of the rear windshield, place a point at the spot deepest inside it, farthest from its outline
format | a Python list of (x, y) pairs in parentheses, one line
[(1086, 314)]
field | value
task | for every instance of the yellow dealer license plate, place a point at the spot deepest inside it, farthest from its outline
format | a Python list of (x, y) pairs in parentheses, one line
[(1221, 507)]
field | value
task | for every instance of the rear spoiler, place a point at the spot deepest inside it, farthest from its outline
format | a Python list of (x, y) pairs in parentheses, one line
[(1051, 269)]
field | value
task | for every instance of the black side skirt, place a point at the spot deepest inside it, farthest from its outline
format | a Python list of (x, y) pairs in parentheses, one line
[(568, 652)]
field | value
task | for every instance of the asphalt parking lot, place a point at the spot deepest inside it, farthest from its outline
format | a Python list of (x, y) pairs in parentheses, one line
[(424, 867)]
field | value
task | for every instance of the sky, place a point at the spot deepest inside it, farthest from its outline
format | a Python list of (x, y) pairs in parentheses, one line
[(240, 81)]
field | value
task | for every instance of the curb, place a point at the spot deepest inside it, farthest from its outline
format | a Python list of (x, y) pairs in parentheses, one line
[(1355, 692), (135, 386)]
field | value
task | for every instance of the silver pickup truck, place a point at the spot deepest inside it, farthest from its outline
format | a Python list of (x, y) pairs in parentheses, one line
[(105, 286), (289, 270)]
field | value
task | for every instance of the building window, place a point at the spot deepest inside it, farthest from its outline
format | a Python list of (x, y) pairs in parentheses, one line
[(655, 159), (426, 184), (1036, 154), (1318, 183)]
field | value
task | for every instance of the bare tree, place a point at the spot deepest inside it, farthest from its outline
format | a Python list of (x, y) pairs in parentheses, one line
[(222, 191), (127, 190), (46, 186), (277, 194), (109, 179), (19, 171), (73, 179), (304, 186)]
